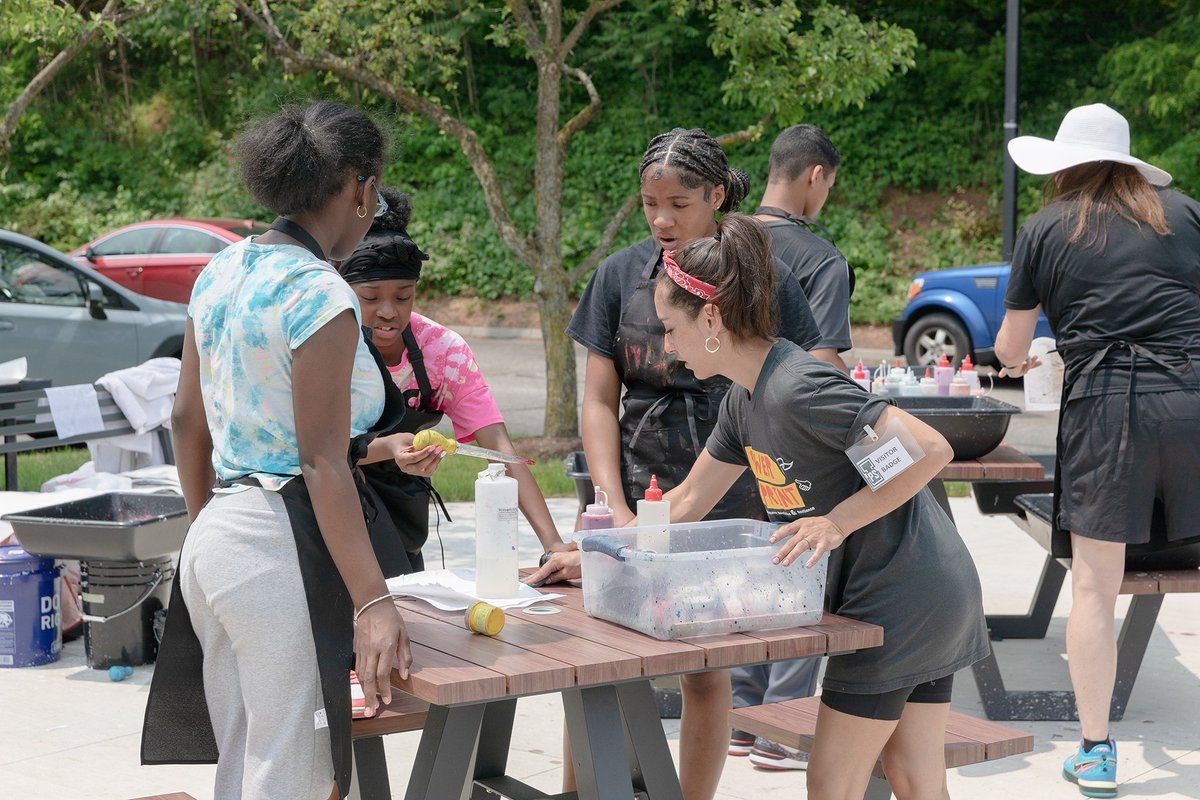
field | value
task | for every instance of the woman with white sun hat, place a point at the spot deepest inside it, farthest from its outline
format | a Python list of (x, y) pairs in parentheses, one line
[(1114, 259)]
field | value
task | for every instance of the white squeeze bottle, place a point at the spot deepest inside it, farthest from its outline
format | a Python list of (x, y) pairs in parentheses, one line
[(495, 534), (655, 513), (860, 377), (969, 373)]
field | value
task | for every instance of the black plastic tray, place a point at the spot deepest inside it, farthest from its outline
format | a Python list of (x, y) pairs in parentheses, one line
[(974, 426), (117, 526)]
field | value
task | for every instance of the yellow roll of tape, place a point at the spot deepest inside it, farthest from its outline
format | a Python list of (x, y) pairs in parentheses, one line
[(485, 618)]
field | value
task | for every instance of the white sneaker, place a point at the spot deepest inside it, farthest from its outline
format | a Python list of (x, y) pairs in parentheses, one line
[(770, 755)]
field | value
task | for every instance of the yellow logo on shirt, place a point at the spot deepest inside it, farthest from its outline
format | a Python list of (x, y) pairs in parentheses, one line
[(773, 486)]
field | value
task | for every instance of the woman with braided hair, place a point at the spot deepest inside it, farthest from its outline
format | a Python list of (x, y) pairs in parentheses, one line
[(667, 413)]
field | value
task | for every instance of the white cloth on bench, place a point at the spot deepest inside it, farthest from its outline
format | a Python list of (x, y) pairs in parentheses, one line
[(145, 395)]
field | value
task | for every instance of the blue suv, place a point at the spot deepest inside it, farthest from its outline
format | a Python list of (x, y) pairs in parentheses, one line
[(955, 311)]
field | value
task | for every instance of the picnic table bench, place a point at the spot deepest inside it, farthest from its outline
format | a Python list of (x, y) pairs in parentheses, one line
[(793, 723)]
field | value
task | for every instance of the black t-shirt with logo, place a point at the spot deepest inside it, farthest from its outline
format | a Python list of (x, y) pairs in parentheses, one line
[(908, 571), (1140, 287)]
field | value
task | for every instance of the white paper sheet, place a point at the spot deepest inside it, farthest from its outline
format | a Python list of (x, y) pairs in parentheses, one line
[(454, 590), (74, 409)]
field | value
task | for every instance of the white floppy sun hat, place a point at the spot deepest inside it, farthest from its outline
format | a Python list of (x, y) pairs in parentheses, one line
[(1087, 134)]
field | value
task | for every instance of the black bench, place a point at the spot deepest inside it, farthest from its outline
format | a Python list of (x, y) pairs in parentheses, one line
[(19, 411), (1151, 573)]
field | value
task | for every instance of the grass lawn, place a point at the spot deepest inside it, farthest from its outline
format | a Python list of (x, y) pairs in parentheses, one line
[(455, 478), (34, 469)]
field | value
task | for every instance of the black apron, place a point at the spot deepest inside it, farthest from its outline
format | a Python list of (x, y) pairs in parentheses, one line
[(1099, 357), (667, 413), (810, 223), (177, 728), (406, 497)]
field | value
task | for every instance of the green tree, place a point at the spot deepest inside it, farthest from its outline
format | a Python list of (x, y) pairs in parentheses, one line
[(782, 60), (58, 28)]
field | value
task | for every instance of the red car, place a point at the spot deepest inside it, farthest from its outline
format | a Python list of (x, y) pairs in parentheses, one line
[(161, 258)]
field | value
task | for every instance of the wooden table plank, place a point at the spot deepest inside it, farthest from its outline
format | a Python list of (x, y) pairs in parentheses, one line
[(729, 649), (999, 740), (1178, 580), (786, 643), (1005, 463), (594, 663), (437, 677), (1140, 583), (846, 634), (404, 713), (658, 656), (523, 671)]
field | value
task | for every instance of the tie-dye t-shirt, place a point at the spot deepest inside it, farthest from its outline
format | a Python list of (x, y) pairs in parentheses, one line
[(459, 389), (251, 307)]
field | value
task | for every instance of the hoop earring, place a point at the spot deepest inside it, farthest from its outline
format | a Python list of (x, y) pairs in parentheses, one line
[(708, 349), (361, 211)]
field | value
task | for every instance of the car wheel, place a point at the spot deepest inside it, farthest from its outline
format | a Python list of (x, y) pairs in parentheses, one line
[(932, 336)]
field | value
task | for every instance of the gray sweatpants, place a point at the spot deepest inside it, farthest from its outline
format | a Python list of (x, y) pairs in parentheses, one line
[(240, 579), (759, 684)]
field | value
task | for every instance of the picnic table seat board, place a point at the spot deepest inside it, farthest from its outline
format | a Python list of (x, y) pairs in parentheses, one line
[(793, 723)]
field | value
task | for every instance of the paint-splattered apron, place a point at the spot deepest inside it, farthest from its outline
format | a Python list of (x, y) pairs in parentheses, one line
[(667, 413)]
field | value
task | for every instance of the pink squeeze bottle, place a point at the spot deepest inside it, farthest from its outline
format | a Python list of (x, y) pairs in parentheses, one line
[(597, 515)]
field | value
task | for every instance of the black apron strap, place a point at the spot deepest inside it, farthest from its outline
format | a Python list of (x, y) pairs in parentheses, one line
[(297, 232), (416, 360)]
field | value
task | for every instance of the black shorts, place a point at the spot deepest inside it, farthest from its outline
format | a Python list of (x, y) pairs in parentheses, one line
[(889, 705), (1109, 497)]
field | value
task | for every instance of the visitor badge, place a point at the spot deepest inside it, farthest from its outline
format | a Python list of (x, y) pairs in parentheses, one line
[(879, 456)]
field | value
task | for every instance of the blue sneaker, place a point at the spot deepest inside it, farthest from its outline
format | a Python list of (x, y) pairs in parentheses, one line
[(1094, 772)]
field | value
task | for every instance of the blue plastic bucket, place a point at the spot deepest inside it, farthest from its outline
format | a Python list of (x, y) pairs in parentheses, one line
[(30, 617)]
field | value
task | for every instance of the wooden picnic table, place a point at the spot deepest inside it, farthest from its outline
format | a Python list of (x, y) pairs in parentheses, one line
[(603, 672)]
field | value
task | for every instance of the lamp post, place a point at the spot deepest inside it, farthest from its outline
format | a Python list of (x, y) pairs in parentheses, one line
[(1012, 37)]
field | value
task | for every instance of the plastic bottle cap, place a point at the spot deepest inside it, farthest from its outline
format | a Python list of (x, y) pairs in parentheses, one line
[(493, 471), (859, 371), (600, 506), (653, 492), (966, 362), (927, 375), (943, 361)]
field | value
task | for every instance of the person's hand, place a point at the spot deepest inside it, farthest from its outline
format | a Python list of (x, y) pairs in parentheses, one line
[(380, 643), (422, 462), (622, 516), (563, 565), (1020, 369), (818, 534)]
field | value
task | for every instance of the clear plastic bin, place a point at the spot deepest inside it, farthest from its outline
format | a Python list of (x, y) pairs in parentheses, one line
[(697, 579)]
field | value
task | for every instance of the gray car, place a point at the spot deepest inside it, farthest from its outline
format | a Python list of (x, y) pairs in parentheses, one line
[(72, 323)]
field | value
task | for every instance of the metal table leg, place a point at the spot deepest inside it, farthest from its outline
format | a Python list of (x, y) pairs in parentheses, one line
[(598, 742), (654, 771), (370, 769), (491, 757), (446, 752), (1034, 624)]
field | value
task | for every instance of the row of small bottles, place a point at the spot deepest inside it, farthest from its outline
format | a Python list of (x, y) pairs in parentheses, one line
[(900, 381)]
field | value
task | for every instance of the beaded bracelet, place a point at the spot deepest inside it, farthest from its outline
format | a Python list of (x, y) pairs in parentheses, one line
[(370, 603)]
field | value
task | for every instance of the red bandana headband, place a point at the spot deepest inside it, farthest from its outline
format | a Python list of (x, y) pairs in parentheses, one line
[(704, 291)]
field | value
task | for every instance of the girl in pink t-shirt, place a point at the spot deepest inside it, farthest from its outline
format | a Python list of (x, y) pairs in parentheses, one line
[(443, 378)]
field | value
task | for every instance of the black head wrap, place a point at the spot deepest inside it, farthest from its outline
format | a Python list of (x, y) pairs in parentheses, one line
[(388, 253)]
